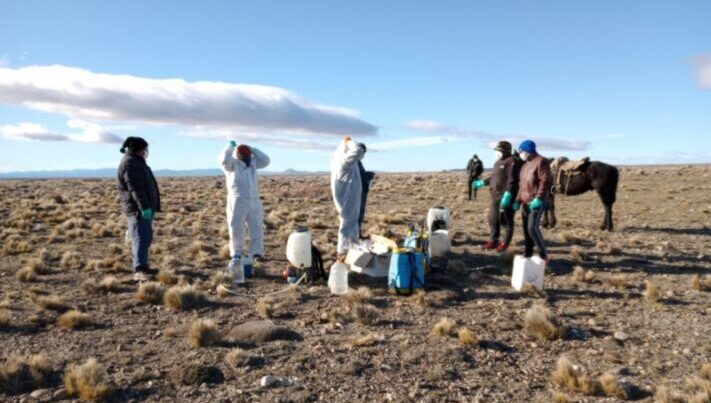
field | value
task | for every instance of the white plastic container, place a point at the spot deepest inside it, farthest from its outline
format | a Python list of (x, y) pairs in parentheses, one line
[(236, 269), (298, 248), (338, 279), (437, 213), (440, 244), (528, 270)]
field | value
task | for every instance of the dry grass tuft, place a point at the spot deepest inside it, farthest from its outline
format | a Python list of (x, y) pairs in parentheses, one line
[(238, 357), (541, 323), (419, 298), (612, 387), (224, 253), (150, 292), (576, 255), (664, 395), (110, 284), (652, 292), (50, 302), (74, 320), (26, 274), (572, 377), (71, 260), (219, 278), (615, 280), (467, 337), (267, 306), (185, 297), (14, 246), (530, 290), (699, 283), (581, 275), (445, 327), (87, 381), (24, 374), (706, 371), (368, 340), (167, 277), (363, 295), (365, 314), (560, 398), (5, 318), (204, 333)]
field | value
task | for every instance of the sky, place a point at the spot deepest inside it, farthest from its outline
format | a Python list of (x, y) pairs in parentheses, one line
[(424, 84)]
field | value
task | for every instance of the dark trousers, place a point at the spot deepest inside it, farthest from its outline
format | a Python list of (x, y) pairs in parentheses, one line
[(532, 230), (141, 231), (499, 218), (469, 186)]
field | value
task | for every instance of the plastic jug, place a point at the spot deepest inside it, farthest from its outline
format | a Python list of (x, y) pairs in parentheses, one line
[(439, 243), (247, 264), (338, 279), (528, 270), (437, 218), (298, 248), (236, 269)]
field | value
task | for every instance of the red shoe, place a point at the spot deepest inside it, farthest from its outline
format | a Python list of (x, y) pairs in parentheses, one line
[(489, 245), (502, 247)]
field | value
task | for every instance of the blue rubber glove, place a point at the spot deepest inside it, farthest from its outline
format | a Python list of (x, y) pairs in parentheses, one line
[(535, 204), (516, 206), (147, 214), (478, 184), (233, 143), (506, 199)]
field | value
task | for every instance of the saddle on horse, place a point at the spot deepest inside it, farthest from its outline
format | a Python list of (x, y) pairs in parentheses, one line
[(565, 170)]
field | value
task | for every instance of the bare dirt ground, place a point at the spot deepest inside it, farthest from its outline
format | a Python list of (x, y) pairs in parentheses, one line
[(637, 308)]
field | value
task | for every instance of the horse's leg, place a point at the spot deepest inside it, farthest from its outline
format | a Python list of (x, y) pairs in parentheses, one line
[(607, 220), (550, 212), (608, 215)]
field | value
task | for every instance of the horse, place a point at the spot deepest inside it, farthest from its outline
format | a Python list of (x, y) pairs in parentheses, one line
[(589, 175)]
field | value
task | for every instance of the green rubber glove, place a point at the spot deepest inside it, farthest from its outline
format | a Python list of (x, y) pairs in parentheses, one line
[(535, 204), (478, 184), (506, 199), (233, 143), (516, 206), (147, 214)]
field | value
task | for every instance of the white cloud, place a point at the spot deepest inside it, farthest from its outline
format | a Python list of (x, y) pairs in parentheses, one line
[(544, 143), (82, 94), (703, 71), (88, 133), (411, 142)]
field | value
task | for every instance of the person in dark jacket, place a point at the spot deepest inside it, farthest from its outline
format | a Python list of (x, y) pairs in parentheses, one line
[(503, 185), (140, 199), (535, 180), (366, 178), (474, 170)]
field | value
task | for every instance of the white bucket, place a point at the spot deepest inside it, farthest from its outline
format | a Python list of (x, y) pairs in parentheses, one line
[(440, 243), (298, 248), (437, 213), (528, 270), (338, 279)]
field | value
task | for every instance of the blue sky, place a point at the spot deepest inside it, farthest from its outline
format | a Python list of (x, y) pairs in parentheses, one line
[(424, 84)]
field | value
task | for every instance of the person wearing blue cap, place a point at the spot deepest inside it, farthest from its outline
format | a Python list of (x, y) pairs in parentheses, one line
[(535, 180)]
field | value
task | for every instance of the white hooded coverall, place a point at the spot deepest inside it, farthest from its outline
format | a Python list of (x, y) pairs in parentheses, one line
[(346, 188), (243, 203)]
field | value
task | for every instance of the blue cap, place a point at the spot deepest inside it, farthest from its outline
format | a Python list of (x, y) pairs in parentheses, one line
[(527, 146)]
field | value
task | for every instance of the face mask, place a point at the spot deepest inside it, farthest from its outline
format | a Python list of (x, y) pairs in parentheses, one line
[(499, 155), (246, 160), (524, 155)]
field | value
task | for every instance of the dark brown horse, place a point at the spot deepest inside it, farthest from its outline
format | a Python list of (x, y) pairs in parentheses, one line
[(591, 175)]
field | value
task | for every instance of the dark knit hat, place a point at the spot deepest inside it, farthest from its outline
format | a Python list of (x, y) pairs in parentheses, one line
[(504, 147), (527, 146), (134, 145)]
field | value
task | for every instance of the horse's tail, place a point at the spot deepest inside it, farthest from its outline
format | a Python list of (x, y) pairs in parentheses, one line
[(614, 178)]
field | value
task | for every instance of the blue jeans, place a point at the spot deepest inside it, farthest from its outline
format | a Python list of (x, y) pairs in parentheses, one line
[(532, 230), (141, 231)]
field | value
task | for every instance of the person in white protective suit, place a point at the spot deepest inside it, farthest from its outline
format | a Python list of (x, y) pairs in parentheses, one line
[(240, 164), (347, 188)]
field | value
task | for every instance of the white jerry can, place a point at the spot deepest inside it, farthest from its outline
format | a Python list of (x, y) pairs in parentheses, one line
[(439, 215), (298, 248), (439, 243), (527, 270)]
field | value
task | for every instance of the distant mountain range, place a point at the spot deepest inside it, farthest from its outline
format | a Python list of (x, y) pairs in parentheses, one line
[(111, 172)]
